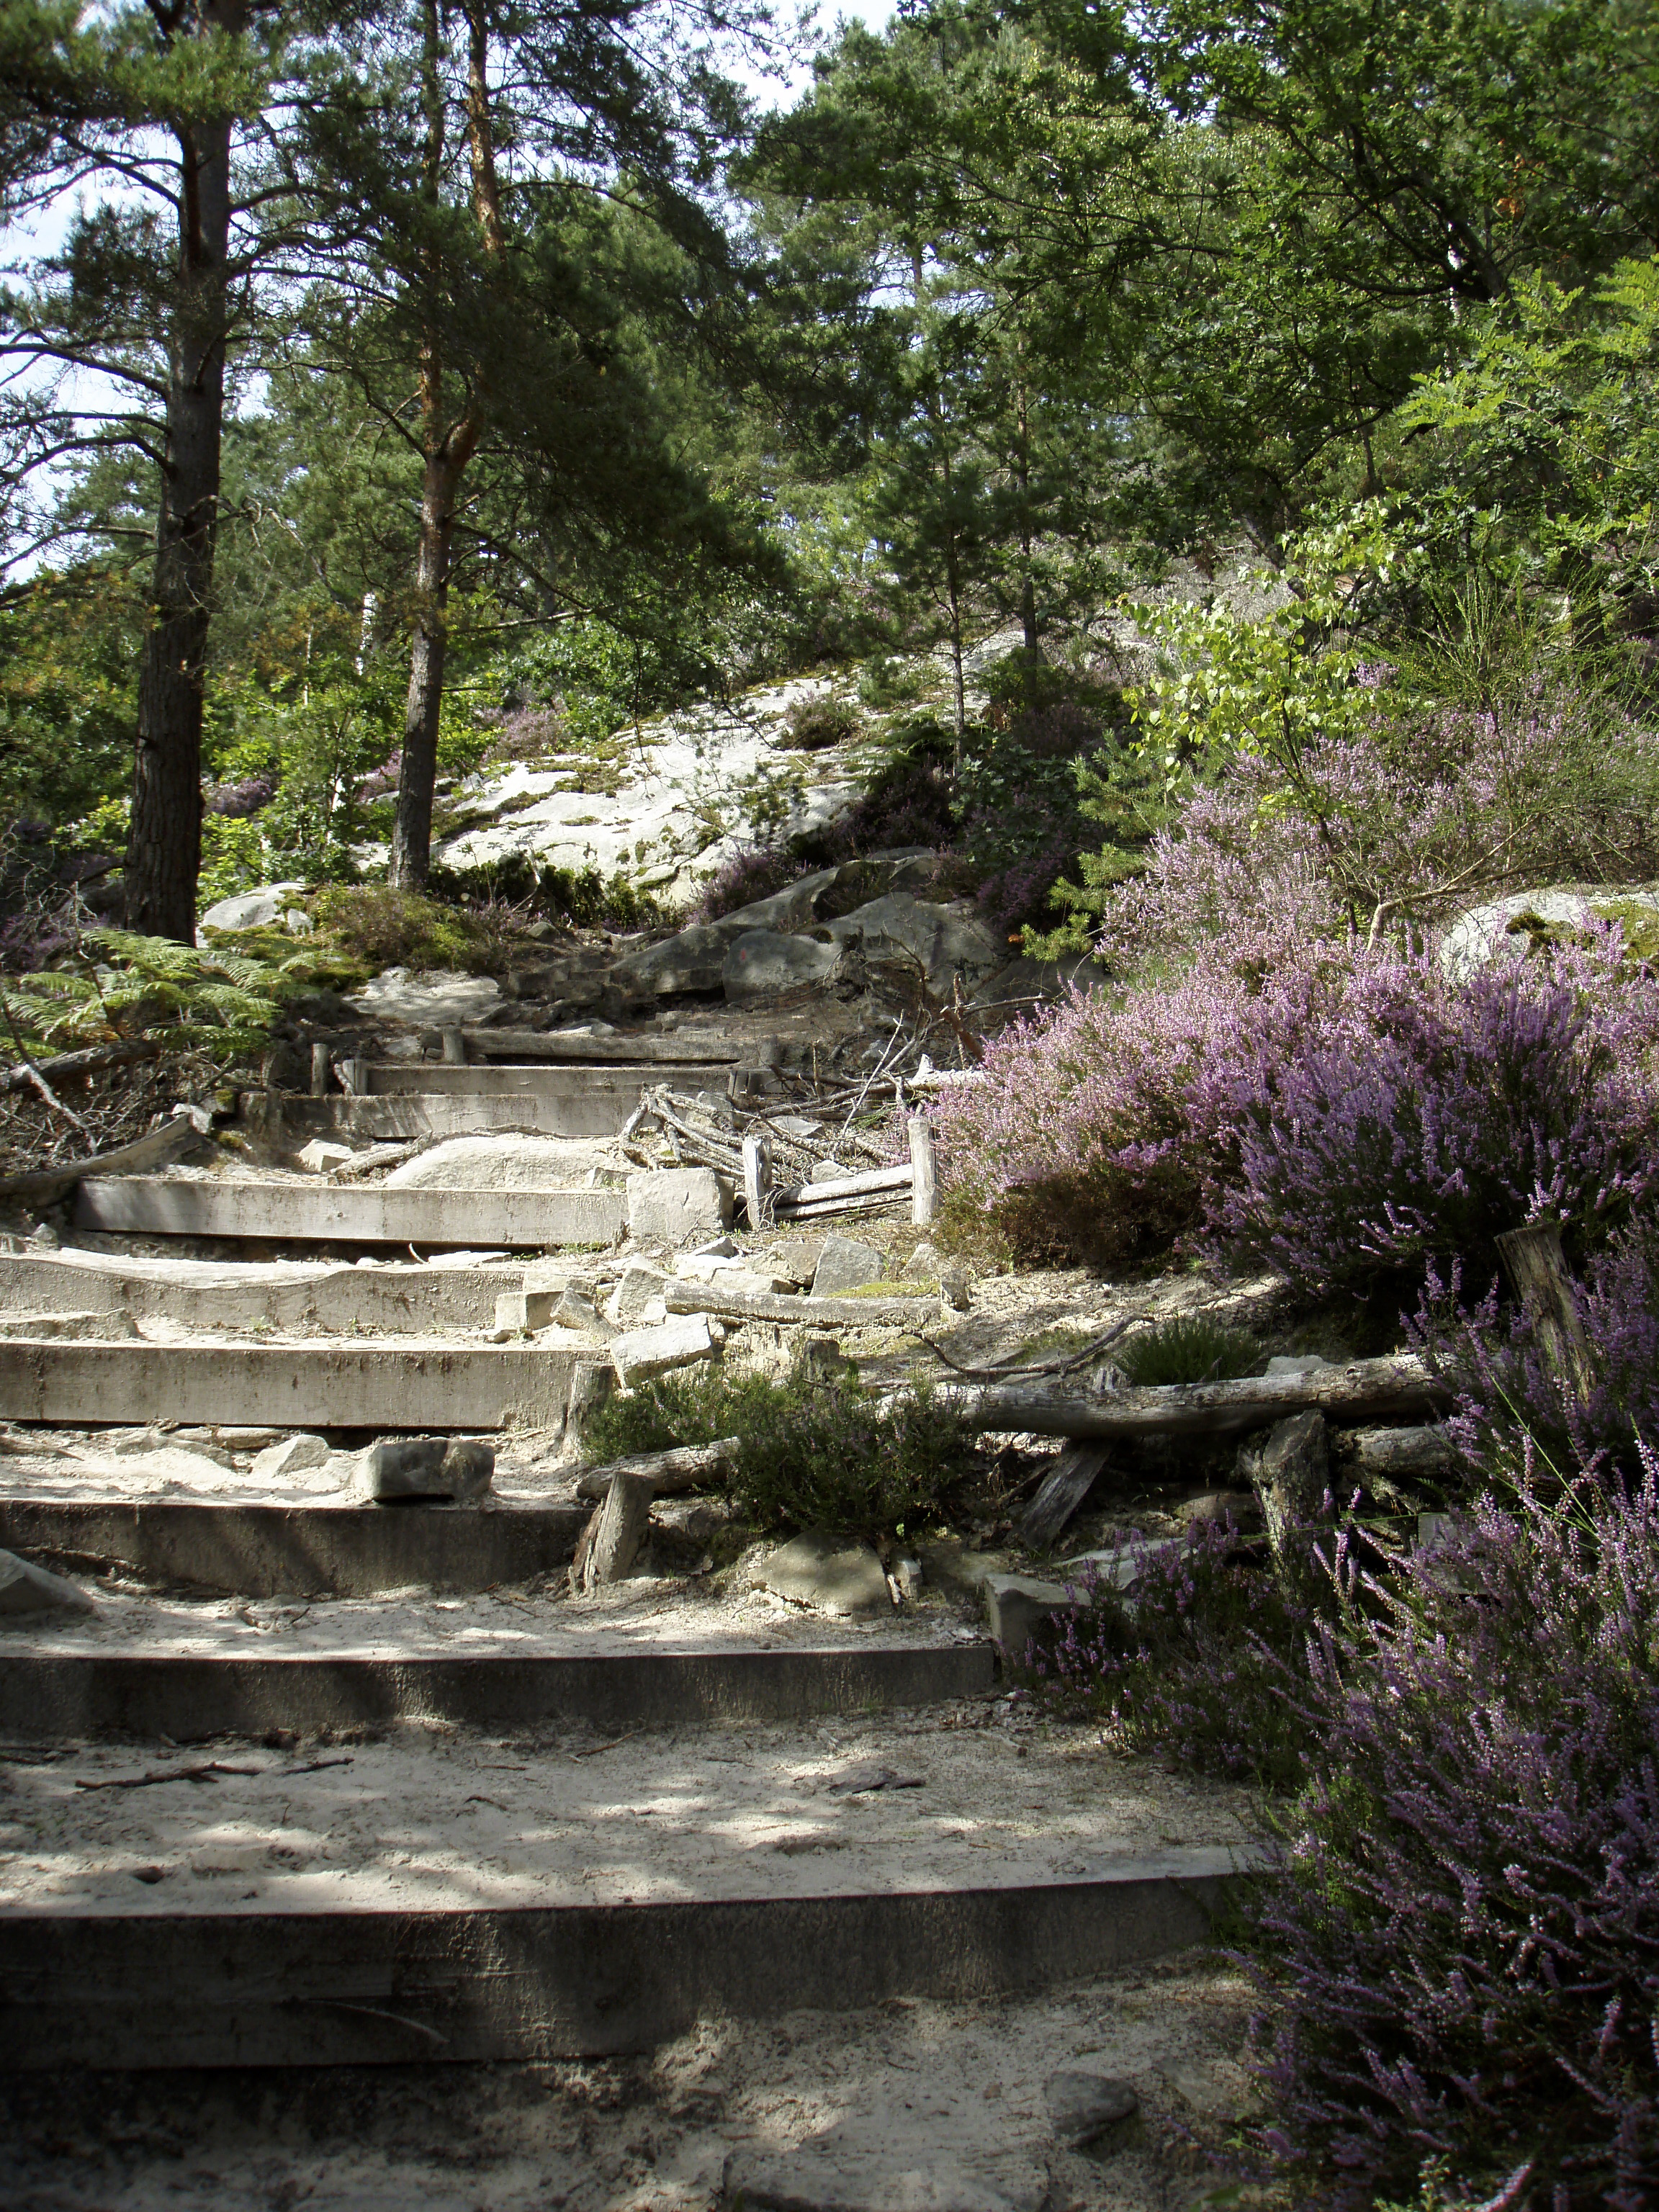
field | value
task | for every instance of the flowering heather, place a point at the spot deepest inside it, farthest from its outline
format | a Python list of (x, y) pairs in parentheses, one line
[(1458, 1932), (743, 878), (1341, 1111)]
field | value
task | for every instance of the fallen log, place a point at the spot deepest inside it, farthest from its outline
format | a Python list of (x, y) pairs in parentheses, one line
[(1395, 1390), (814, 1313), (86, 1062), (153, 1150), (670, 1474), (807, 1196)]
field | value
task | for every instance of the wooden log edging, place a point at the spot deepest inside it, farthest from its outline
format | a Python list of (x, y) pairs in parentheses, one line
[(1399, 1389)]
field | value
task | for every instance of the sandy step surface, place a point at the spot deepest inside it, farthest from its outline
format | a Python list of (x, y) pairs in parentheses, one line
[(862, 2111), (964, 1795)]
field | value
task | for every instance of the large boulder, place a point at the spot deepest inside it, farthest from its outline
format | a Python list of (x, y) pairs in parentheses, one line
[(945, 940), (434, 999), (762, 961), (1506, 928), (257, 909), (505, 1162)]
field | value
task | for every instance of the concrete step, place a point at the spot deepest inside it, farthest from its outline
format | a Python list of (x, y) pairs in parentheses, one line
[(459, 1896), (480, 1982), (574, 1109), (420, 1384), (263, 1550), (189, 1670), (161, 1206), (549, 1080), (316, 1294)]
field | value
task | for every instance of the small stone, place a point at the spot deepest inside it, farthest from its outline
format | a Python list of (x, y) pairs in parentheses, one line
[(519, 1311), (925, 1261), (953, 1288), (828, 1171), (576, 1309), (1020, 1610), (834, 1574), (795, 1260), (822, 1357), (1216, 1505), (680, 1342), (292, 1457), (1298, 1363), (678, 1206), (640, 1284), (26, 1590), (1083, 2105), (429, 1467), (553, 1275), (718, 1248), (321, 1158), (44, 1237), (845, 1265), (907, 1573)]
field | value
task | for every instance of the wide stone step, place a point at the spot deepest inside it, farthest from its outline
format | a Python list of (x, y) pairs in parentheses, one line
[(320, 1294), (328, 1987), (540, 1080), (458, 1110), (148, 1667), (465, 1896), (418, 1385), (160, 1205), (262, 1550)]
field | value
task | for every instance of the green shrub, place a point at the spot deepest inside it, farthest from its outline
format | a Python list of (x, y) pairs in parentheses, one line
[(1191, 1348), (819, 1454), (815, 723)]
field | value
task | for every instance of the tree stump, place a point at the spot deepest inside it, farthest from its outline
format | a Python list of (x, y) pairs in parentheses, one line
[(610, 1544), (1537, 1266)]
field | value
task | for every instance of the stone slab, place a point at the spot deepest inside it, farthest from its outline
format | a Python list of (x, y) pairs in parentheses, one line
[(156, 1205), (844, 1264), (294, 1551), (434, 1386), (47, 1694), (431, 1109), (675, 1205), (148, 1988), (243, 1295), (643, 1352)]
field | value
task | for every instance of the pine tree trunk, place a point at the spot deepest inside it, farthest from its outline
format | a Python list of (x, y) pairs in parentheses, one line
[(164, 844), (411, 831), (447, 457)]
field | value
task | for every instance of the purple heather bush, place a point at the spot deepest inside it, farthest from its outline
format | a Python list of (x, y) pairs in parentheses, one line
[(1457, 1931), (1343, 1112)]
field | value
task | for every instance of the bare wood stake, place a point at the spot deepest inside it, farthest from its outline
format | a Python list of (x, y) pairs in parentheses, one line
[(1538, 1268), (610, 1542), (757, 1180), (924, 1171), (454, 1045), (320, 1070), (1064, 1488)]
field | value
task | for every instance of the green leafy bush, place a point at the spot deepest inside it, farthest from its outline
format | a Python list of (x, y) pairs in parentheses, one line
[(1191, 1348), (813, 1454)]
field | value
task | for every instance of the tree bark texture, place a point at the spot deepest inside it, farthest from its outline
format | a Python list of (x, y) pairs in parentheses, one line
[(164, 843), (447, 451)]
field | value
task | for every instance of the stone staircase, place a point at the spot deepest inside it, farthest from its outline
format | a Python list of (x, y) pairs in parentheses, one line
[(320, 1782)]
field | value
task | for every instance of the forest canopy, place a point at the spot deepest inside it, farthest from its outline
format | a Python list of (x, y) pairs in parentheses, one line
[(376, 378)]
